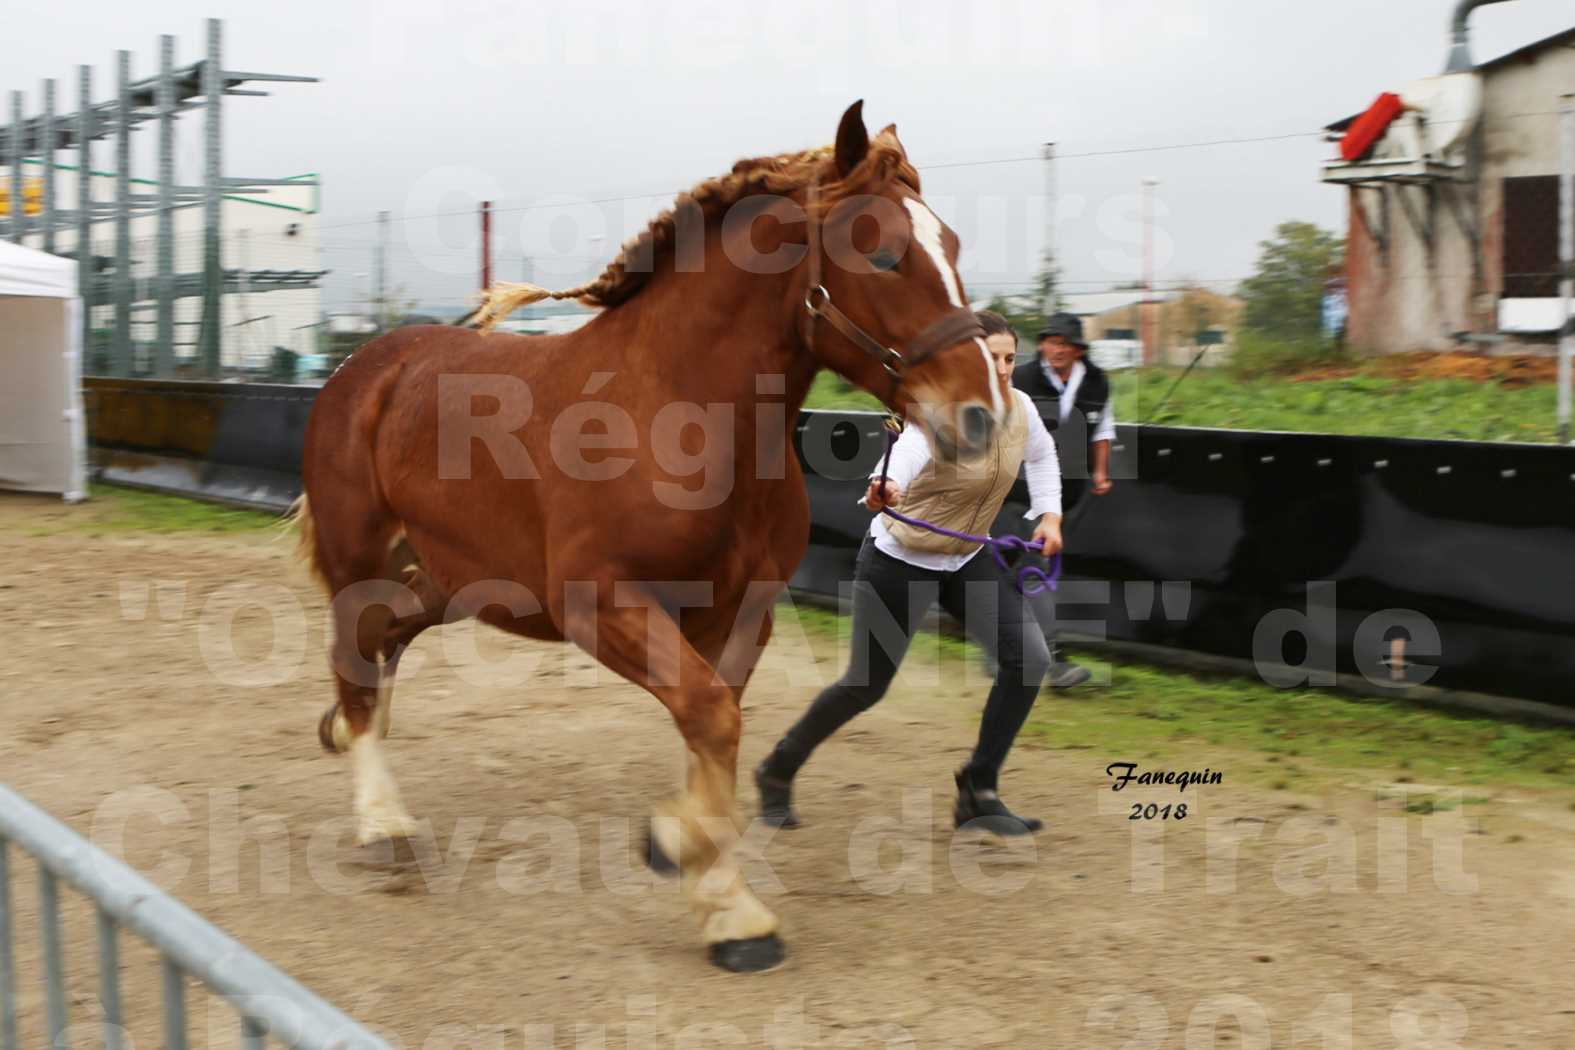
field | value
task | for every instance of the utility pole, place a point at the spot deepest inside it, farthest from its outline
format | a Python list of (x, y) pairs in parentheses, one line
[(1146, 307), (486, 245), (1048, 305), (1567, 261), (380, 271)]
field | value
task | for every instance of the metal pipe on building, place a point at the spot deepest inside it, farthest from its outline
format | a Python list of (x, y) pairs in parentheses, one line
[(122, 357), (46, 150), (212, 336), (1460, 36), (164, 338)]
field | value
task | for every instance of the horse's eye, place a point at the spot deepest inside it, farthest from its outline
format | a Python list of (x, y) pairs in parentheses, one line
[(883, 260)]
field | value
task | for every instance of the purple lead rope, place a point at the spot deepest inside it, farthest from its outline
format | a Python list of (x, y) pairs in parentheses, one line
[(1029, 579)]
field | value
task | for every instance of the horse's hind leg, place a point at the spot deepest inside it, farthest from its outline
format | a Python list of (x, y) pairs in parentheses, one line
[(434, 606), (374, 615), (419, 605)]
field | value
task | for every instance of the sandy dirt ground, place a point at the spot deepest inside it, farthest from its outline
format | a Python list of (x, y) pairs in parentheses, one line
[(162, 694)]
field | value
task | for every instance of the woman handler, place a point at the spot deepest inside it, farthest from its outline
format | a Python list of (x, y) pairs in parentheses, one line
[(903, 569)]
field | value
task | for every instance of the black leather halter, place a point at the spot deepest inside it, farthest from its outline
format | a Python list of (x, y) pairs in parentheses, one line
[(953, 327)]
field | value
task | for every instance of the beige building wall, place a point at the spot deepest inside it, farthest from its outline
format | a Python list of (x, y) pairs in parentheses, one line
[(1177, 321)]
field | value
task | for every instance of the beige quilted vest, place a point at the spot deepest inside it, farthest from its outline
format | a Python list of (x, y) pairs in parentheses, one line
[(963, 497)]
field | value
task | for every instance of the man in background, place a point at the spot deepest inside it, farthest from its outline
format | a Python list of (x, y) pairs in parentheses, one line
[(1073, 398)]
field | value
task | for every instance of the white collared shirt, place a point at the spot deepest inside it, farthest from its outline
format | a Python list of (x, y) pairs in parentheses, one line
[(1105, 426), (912, 451)]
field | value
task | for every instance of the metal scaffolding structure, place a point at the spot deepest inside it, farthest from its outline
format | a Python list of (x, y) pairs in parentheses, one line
[(200, 85)]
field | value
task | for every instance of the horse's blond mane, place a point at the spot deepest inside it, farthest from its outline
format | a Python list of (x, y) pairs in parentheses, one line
[(784, 174)]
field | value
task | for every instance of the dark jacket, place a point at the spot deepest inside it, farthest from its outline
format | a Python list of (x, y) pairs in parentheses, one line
[(1093, 394), (1072, 440)]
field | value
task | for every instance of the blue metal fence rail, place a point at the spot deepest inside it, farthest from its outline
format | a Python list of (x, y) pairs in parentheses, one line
[(269, 1003)]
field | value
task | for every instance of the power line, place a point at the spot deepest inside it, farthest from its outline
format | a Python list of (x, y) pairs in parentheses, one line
[(983, 162), (923, 167)]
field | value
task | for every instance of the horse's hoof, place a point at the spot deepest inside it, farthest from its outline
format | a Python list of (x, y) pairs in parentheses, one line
[(388, 853), (325, 730), (754, 955), (656, 858)]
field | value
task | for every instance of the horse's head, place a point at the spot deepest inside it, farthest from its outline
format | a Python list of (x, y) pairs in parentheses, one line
[(884, 262)]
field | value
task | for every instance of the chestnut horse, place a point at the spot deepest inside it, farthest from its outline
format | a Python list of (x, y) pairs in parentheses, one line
[(715, 319)]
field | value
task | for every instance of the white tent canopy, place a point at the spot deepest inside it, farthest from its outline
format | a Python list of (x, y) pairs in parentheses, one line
[(43, 446)]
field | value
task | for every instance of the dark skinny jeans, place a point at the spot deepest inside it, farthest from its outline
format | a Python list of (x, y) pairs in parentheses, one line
[(890, 600)]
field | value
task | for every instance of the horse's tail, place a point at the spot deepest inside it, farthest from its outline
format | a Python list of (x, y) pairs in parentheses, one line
[(299, 516), (504, 297)]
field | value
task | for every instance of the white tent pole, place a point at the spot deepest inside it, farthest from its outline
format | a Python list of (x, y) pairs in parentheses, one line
[(75, 417)]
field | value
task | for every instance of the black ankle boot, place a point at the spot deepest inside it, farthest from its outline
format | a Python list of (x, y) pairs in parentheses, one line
[(774, 781), (980, 808)]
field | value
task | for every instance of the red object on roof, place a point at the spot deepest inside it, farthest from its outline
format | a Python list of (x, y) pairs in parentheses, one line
[(1370, 126)]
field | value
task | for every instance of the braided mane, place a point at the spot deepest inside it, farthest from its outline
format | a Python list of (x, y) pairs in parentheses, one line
[(784, 174)]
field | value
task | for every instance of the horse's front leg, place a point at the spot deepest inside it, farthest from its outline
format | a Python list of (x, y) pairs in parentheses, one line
[(698, 831)]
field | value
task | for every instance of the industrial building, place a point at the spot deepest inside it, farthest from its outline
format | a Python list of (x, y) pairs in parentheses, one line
[(1453, 184), (267, 232)]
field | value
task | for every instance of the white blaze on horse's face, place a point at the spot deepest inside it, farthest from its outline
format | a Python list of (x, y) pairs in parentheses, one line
[(927, 232)]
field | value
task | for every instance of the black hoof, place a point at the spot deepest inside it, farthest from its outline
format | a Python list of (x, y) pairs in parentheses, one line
[(325, 730), (754, 955), (1004, 826), (388, 855), (658, 860)]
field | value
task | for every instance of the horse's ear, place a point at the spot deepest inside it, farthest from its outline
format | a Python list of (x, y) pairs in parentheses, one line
[(853, 140)]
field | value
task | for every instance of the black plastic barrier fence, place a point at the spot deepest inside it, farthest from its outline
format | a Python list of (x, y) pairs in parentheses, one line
[(1404, 562), (235, 442), (1391, 561)]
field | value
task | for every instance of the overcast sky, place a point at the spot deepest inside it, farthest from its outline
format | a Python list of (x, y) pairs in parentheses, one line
[(426, 107)]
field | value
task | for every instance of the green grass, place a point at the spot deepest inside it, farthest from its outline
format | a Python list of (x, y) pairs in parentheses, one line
[(1299, 735), (1364, 404), (115, 510), (1293, 739), (832, 391)]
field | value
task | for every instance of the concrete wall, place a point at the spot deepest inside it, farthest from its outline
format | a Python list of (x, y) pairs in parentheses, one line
[(1412, 298)]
